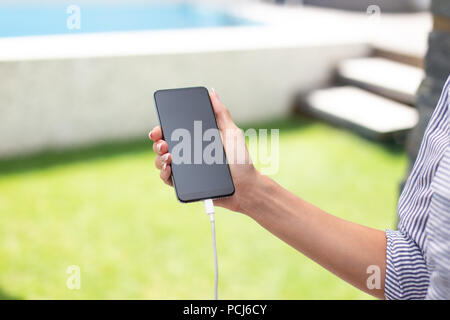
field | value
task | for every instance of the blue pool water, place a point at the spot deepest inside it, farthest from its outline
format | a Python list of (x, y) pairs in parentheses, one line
[(29, 20)]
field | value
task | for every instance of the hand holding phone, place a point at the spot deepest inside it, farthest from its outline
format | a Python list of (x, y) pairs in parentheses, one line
[(245, 176), (199, 164)]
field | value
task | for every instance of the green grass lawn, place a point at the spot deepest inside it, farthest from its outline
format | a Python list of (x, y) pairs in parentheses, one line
[(105, 210)]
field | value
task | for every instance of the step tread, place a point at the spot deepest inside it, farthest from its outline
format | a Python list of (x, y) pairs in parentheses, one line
[(382, 76), (364, 109)]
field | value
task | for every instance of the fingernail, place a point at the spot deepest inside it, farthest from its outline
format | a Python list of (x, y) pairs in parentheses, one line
[(159, 147), (165, 157), (151, 134), (164, 166), (214, 92)]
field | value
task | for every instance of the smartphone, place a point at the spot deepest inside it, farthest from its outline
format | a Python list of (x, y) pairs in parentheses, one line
[(190, 129)]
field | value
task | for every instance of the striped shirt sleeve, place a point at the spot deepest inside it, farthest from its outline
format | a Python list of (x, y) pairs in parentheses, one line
[(438, 227), (418, 254), (407, 276)]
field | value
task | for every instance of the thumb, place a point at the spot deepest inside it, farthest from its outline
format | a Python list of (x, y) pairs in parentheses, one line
[(223, 116)]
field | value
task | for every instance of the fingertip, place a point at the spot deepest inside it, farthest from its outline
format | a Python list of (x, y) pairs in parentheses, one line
[(166, 158), (165, 172), (163, 147), (214, 95), (215, 101), (155, 134)]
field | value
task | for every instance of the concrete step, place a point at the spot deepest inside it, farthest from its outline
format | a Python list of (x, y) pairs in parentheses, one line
[(410, 58), (403, 37), (371, 115), (391, 79)]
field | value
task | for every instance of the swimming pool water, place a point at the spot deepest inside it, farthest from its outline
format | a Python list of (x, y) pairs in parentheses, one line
[(31, 19)]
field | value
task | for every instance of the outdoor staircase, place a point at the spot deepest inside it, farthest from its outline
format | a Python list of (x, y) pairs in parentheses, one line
[(373, 96)]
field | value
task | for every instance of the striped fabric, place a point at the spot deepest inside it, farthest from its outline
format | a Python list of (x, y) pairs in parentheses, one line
[(418, 254)]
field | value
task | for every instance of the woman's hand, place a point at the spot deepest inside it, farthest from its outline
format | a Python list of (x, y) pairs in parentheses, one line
[(245, 176)]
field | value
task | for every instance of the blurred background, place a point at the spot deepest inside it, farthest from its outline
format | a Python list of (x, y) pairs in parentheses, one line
[(351, 85)]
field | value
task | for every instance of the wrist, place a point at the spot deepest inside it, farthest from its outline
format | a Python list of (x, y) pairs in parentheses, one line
[(258, 192)]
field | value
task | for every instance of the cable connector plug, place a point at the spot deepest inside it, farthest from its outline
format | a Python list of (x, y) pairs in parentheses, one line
[(209, 208)]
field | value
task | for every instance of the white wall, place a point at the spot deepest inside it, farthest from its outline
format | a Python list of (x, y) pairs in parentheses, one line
[(67, 102)]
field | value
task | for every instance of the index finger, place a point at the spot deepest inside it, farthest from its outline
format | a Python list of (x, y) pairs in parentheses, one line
[(156, 133)]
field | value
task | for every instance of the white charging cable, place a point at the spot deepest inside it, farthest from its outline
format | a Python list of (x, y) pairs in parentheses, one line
[(209, 207)]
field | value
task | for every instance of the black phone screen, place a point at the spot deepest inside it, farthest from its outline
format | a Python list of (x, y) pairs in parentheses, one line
[(199, 165)]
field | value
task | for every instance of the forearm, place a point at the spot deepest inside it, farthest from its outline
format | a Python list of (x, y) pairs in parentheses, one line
[(342, 247)]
